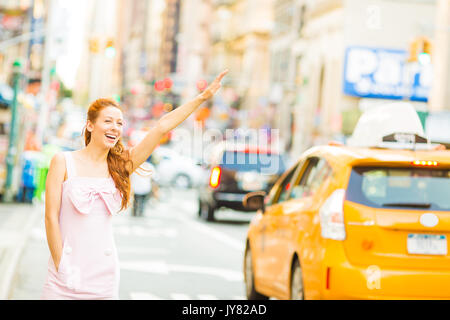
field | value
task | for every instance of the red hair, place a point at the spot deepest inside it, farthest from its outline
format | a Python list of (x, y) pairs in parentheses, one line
[(119, 163)]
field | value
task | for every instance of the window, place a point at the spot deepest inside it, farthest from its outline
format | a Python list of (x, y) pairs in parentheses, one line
[(286, 187), (283, 16), (316, 173), (302, 19), (400, 188), (280, 191)]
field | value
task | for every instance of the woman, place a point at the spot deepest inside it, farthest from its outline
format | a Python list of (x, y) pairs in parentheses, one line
[(84, 188)]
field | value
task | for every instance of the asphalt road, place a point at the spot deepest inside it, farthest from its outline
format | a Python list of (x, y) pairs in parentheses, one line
[(167, 254)]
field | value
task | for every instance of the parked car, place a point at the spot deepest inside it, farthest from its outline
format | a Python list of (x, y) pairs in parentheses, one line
[(234, 171), (174, 169), (371, 220)]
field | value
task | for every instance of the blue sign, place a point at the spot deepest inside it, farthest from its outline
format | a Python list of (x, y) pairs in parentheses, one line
[(385, 74)]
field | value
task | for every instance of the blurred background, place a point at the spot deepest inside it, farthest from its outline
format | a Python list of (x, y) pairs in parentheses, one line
[(307, 68)]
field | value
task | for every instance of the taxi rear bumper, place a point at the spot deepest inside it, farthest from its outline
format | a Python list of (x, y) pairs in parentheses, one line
[(343, 280)]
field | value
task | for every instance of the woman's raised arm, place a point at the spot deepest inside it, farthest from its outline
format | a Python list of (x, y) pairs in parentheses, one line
[(143, 150)]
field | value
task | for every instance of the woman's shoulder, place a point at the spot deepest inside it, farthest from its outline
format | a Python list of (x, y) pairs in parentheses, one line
[(57, 165), (58, 158)]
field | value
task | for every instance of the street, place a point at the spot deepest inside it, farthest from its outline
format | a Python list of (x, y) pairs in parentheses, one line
[(167, 254)]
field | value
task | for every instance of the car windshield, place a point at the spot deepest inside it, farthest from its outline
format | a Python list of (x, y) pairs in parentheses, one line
[(414, 188), (264, 163)]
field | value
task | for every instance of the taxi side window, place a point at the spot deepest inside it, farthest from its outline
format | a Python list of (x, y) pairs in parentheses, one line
[(316, 172), (280, 191), (286, 187)]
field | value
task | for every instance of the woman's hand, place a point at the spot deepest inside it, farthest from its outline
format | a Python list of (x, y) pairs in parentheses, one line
[(143, 149), (209, 92)]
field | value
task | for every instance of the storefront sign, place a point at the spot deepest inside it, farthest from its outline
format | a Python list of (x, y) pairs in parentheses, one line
[(385, 74)]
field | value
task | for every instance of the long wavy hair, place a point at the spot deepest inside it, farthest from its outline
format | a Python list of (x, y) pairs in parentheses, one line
[(119, 163)]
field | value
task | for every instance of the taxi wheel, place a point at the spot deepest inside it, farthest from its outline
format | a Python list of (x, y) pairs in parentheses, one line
[(249, 277), (297, 292), (205, 211)]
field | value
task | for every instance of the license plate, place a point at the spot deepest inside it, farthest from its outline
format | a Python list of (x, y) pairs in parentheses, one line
[(431, 244)]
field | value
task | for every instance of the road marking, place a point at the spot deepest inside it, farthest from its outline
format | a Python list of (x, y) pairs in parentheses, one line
[(207, 297), (38, 234), (180, 296), (139, 231), (138, 295), (213, 233), (143, 296), (161, 267), (229, 275), (142, 250)]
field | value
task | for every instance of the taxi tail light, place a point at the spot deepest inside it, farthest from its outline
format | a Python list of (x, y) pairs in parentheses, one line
[(332, 216), (214, 180)]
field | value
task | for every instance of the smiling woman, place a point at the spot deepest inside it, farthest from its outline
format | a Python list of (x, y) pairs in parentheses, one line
[(85, 188), (105, 115)]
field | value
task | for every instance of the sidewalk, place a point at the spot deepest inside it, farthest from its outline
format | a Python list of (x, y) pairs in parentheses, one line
[(16, 223)]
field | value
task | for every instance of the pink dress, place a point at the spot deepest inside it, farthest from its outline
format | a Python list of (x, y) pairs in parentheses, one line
[(89, 266)]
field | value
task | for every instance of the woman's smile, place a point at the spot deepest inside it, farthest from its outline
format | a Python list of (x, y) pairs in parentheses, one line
[(111, 137)]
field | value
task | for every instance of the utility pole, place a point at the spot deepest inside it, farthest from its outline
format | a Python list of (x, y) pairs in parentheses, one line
[(12, 147)]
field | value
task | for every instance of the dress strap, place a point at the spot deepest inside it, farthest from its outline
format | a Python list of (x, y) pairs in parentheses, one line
[(70, 165)]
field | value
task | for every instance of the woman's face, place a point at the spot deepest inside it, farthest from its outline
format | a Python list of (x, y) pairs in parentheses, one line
[(107, 128)]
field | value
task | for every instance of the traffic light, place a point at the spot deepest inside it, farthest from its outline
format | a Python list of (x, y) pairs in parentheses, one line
[(94, 45), (420, 50), (110, 50), (425, 55)]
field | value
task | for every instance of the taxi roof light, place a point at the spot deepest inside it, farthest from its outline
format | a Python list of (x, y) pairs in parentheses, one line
[(393, 125), (425, 163)]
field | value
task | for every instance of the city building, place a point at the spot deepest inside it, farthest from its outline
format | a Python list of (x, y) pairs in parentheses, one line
[(440, 92), (352, 55), (98, 74), (240, 42), (194, 45), (15, 43), (285, 48)]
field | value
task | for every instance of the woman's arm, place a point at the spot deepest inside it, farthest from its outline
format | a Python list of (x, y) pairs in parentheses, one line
[(143, 150), (53, 190)]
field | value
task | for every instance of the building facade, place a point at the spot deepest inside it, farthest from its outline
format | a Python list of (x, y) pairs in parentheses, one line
[(240, 42), (350, 56)]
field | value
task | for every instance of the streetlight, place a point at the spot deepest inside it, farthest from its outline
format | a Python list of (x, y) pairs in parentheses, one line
[(12, 147)]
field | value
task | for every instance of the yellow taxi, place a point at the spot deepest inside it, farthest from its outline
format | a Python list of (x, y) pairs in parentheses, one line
[(354, 222)]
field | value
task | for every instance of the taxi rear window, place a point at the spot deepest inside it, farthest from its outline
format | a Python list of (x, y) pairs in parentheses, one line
[(400, 188)]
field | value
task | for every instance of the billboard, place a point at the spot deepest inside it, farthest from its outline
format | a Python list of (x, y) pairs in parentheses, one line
[(385, 74)]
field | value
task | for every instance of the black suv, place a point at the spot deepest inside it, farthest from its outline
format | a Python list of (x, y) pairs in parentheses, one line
[(233, 173)]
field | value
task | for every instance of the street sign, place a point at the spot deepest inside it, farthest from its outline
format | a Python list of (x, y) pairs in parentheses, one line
[(385, 74)]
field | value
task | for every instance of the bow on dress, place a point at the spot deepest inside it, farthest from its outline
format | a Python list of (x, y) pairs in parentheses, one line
[(83, 198)]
